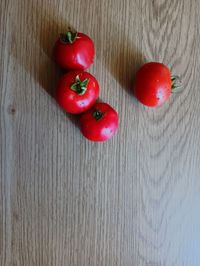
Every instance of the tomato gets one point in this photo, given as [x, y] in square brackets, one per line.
[100, 123]
[74, 51]
[153, 84]
[77, 91]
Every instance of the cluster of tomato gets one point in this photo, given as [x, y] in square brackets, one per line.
[77, 91]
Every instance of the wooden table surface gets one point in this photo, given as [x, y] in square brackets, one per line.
[132, 201]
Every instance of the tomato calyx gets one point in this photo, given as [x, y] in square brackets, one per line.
[79, 86]
[177, 84]
[68, 37]
[97, 114]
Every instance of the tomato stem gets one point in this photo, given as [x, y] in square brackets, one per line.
[177, 84]
[68, 37]
[79, 86]
[97, 114]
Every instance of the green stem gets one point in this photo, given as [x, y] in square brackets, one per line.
[79, 86]
[68, 37]
[177, 85]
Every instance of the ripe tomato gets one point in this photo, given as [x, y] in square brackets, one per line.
[153, 84]
[74, 51]
[99, 123]
[77, 91]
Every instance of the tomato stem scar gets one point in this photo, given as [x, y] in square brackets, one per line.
[97, 114]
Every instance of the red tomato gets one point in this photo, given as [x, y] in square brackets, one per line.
[74, 51]
[100, 123]
[153, 84]
[77, 91]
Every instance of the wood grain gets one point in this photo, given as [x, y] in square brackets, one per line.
[132, 201]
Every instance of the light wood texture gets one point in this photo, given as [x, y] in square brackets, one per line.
[132, 201]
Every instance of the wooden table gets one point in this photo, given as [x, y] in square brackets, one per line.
[132, 201]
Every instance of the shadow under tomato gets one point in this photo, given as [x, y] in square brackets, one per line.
[38, 60]
[123, 59]
[126, 63]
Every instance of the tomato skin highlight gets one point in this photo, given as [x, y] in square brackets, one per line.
[78, 55]
[70, 100]
[153, 84]
[99, 123]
